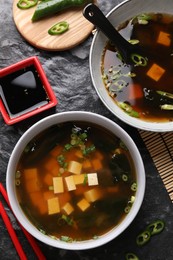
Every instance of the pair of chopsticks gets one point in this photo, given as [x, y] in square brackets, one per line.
[12, 233]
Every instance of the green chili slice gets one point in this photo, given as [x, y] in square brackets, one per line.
[59, 28]
[26, 4]
[156, 227]
[131, 256]
[139, 60]
[143, 238]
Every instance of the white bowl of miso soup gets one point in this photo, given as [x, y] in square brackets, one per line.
[140, 94]
[75, 180]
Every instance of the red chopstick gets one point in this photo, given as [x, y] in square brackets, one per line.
[12, 233]
[30, 239]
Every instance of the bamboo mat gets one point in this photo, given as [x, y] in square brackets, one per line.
[160, 147]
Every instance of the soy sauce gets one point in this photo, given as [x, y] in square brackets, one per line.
[22, 91]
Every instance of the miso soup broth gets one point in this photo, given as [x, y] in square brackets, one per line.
[75, 181]
[143, 90]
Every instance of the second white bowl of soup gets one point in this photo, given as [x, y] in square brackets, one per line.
[75, 180]
[140, 95]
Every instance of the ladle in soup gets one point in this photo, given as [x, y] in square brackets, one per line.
[131, 54]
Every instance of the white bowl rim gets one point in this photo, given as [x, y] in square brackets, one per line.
[132, 121]
[45, 123]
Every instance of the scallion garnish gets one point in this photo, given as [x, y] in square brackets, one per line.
[167, 107]
[139, 60]
[165, 94]
[88, 150]
[134, 186]
[66, 239]
[67, 219]
[128, 109]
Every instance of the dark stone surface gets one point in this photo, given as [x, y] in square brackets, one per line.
[68, 74]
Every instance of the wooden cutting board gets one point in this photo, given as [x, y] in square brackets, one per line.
[37, 33]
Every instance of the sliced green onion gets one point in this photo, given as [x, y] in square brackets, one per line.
[83, 136]
[124, 177]
[61, 160]
[85, 179]
[18, 174]
[139, 60]
[51, 188]
[42, 231]
[128, 109]
[17, 182]
[123, 146]
[127, 209]
[68, 147]
[133, 41]
[134, 186]
[142, 19]
[167, 107]
[67, 219]
[88, 150]
[165, 94]
[125, 107]
[66, 239]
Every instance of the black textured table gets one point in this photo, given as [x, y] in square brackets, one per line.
[69, 76]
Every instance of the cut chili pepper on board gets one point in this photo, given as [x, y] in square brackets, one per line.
[26, 4]
[59, 28]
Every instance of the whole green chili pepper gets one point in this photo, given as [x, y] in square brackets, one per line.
[50, 7]
[26, 4]
[58, 28]
[155, 227]
[143, 238]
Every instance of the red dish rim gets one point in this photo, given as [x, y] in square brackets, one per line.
[20, 65]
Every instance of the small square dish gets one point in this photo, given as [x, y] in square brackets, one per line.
[24, 91]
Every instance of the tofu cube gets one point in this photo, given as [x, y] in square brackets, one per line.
[93, 195]
[68, 208]
[58, 185]
[79, 179]
[83, 204]
[74, 167]
[164, 39]
[155, 72]
[53, 206]
[70, 183]
[92, 179]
